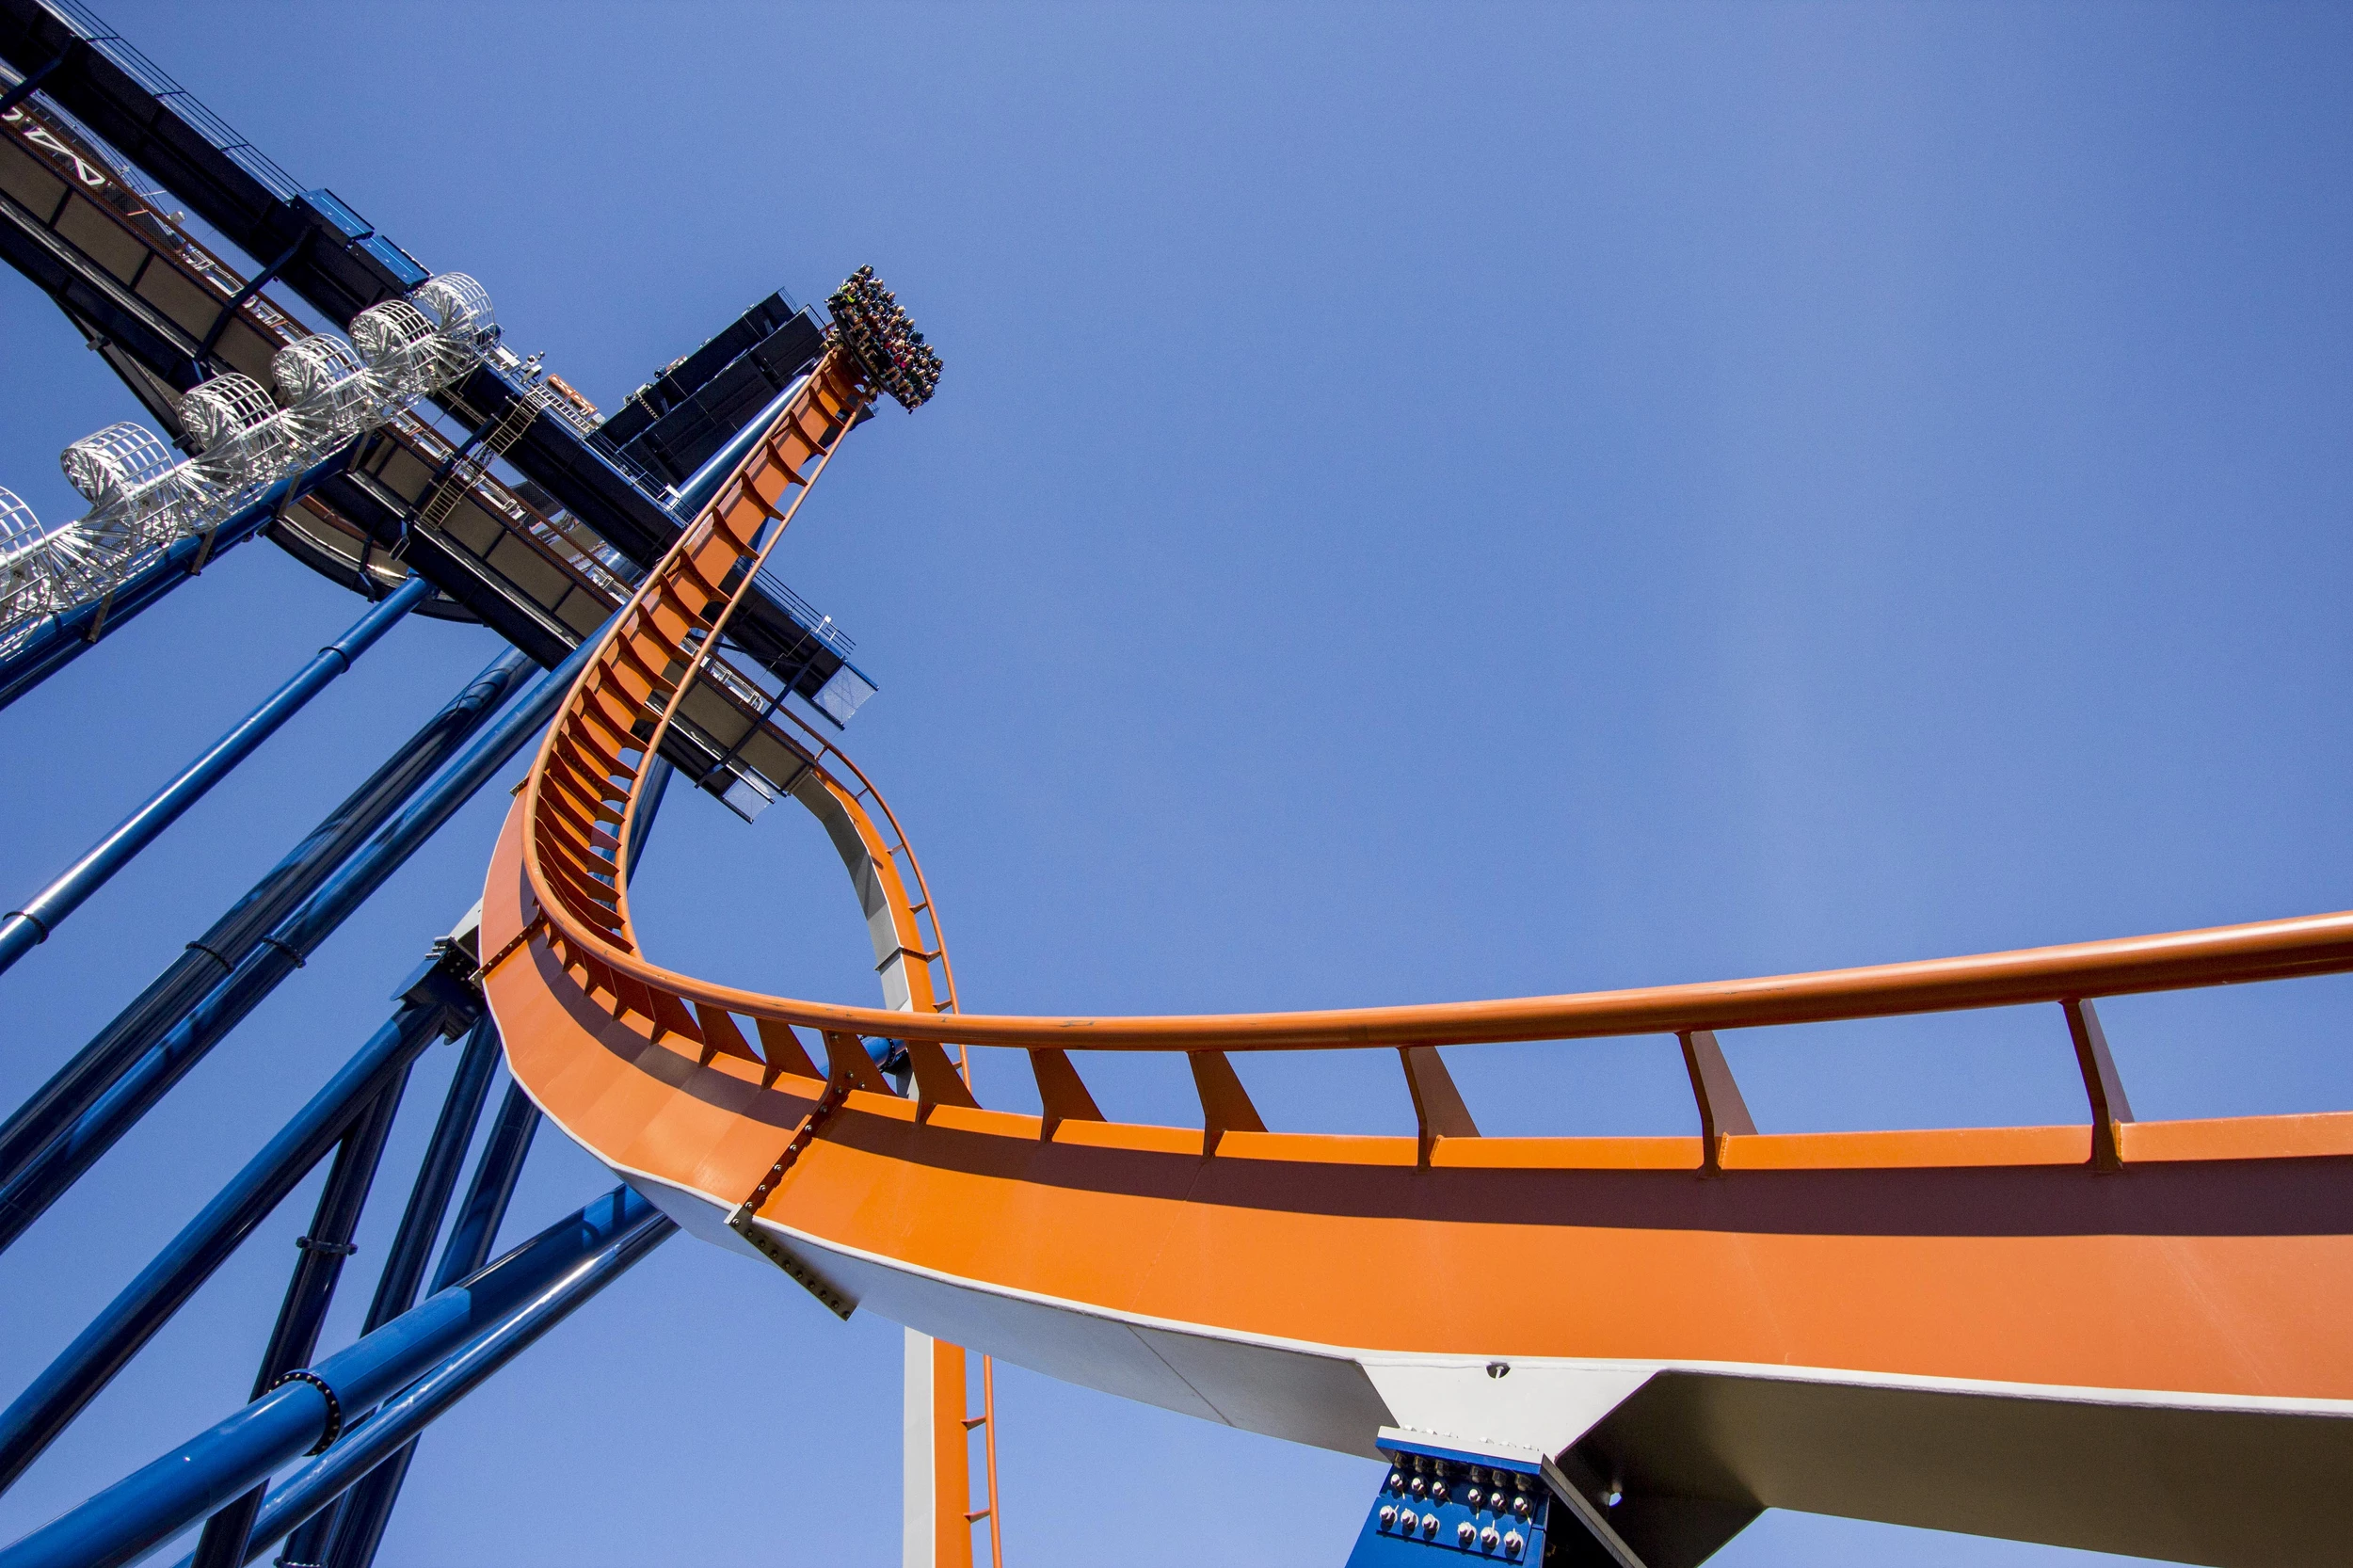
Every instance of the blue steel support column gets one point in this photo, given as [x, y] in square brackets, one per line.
[360, 1527]
[348, 1535]
[649, 794]
[311, 1292]
[436, 1178]
[393, 1428]
[39, 915]
[278, 956]
[486, 1319]
[494, 1177]
[60, 641]
[24, 89]
[411, 1249]
[435, 993]
[75, 1087]
[1489, 1505]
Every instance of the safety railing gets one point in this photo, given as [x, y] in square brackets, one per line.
[95, 169]
[584, 789]
[94, 31]
[807, 616]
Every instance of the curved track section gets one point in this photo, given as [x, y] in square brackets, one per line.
[2126, 1336]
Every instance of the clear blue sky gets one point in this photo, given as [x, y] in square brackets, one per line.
[1424, 503]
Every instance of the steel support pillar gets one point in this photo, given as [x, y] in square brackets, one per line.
[75, 1087]
[649, 795]
[31, 923]
[64, 638]
[24, 87]
[347, 1536]
[466, 1331]
[393, 1428]
[438, 1000]
[323, 1248]
[1447, 1498]
[1441, 1501]
[436, 1178]
[494, 1177]
[935, 1523]
[74, 1150]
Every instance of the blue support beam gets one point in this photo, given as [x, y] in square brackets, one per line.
[312, 1291]
[649, 794]
[168, 998]
[346, 1534]
[31, 923]
[60, 640]
[324, 1247]
[405, 1264]
[47, 1175]
[437, 1000]
[393, 1428]
[460, 1336]
[1444, 1505]
[352, 1533]
[494, 1177]
[24, 89]
[436, 1178]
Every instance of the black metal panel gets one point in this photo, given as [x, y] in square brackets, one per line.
[95, 302]
[683, 379]
[680, 441]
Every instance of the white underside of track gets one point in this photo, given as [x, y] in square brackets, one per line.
[2191, 1476]
[1328, 1395]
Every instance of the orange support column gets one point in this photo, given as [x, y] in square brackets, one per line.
[938, 1471]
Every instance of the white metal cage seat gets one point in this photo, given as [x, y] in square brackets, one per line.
[19, 530]
[115, 461]
[309, 368]
[329, 397]
[460, 308]
[140, 497]
[25, 575]
[223, 408]
[43, 571]
[245, 442]
[398, 343]
[463, 320]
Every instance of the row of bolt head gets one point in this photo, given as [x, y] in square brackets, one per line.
[1425, 1465]
[1406, 1522]
[1436, 1490]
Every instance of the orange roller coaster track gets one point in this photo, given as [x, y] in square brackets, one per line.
[2120, 1334]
